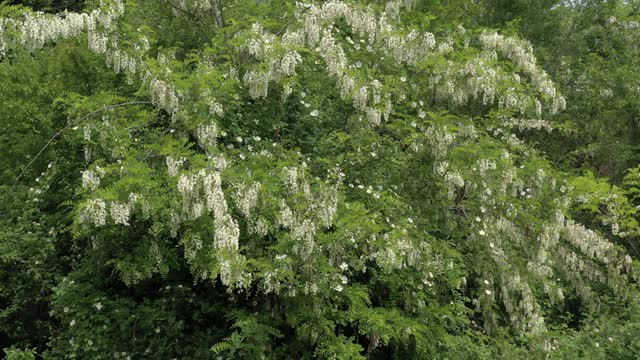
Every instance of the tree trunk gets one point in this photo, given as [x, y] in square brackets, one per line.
[216, 9]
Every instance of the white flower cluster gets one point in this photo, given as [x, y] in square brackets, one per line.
[90, 180]
[319, 212]
[392, 9]
[281, 60]
[439, 140]
[598, 260]
[120, 61]
[522, 307]
[518, 299]
[304, 231]
[215, 108]
[38, 29]
[480, 78]
[291, 181]
[259, 227]
[94, 213]
[578, 268]
[526, 124]
[318, 22]
[121, 212]
[257, 82]
[261, 45]
[317, 31]
[563, 250]
[335, 59]
[453, 182]
[575, 253]
[287, 65]
[501, 237]
[203, 192]
[207, 135]
[174, 165]
[485, 165]
[247, 198]
[3, 43]
[271, 282]
[521, 53]
[317, 34]
[588, 242]
[96, 40]
[164, 96]
[361, 98]
[397, 251]
[547, 240]
[376, 29]
[481, 81]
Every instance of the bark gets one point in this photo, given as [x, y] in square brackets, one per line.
[216, 10]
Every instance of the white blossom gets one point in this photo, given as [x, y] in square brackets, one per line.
[90, 180]
[207, 135]
[94, 212]
[174, 165]
[258, 83]
[120, 212]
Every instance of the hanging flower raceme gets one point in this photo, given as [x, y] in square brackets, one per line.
[37, 29]
[202, 194]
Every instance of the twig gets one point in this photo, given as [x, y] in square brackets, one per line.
[67, 128]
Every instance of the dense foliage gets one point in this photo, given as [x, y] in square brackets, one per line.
[397, 179]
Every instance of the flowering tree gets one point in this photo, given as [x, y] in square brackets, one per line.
[276, 179]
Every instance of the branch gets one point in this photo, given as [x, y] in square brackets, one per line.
[217, 13]
[67, 128]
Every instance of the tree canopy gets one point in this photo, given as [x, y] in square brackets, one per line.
[253, 179]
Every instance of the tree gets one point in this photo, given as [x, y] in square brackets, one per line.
[295, 180]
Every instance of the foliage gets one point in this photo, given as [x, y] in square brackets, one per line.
[361, 179]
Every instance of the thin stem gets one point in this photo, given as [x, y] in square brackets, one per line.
[68, 126]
